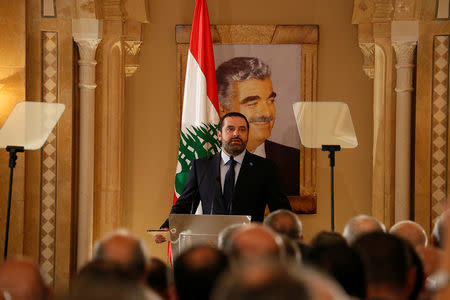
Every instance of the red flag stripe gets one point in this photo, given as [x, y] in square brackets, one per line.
[200, 45]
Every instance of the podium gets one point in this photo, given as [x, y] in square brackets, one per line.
[187, 230]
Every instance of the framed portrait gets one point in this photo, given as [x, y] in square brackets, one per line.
[284, 60]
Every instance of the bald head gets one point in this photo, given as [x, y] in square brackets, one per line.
[123, 248]
[256, 241]
[21, 279]
[411, 232]
[285, 222]
[360, 225]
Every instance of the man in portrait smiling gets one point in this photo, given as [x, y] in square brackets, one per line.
[244, 85]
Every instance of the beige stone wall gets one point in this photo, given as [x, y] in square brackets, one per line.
[12, 91]
[151, 107]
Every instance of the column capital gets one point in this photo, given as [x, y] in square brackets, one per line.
[87, 33]
[404, 51]
[368, 50]
[132, 49]
[87, 49]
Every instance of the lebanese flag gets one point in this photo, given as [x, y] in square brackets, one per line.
[200, 115]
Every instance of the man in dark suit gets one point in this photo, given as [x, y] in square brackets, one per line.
[256, 181]
[244, 85]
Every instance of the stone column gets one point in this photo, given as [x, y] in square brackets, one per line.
[87, 35]
[404, 87]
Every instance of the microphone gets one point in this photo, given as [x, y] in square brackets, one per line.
[217, 181]
[197, 191]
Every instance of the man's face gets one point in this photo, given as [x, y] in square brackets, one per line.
[234, 135]
[255, 99]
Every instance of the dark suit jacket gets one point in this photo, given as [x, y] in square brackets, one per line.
[287, 159]
[258, 184]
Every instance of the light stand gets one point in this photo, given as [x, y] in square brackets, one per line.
[27, 128]
[332, 149]
[12, 163]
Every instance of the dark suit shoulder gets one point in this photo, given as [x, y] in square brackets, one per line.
[272, 148]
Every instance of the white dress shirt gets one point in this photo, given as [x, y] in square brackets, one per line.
[224, 166]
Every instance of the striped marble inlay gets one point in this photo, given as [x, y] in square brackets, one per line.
[48, 159]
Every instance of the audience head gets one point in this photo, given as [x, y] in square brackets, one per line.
[20, 278]
[196, 271]
[124, 248]
[411, 232]
[225, 235]
[292, 250]
[108, 280]
[343, 264]
[431, 258]
[158, 275]
[419, 272]
[285, 222]
[437, 236]
[388, 264]
[255, 241]
[360, 225]
[261, 281]
[328, 238]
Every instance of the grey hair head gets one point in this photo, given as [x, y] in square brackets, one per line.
[439, 230]
[136, 263]
[360, 225]
[294, 232]
[238, 69]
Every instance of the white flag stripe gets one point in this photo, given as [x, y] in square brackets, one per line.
[197, 107]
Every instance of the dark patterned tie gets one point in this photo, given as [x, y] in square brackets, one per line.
[228, 185]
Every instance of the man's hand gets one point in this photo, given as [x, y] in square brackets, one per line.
[159, 238]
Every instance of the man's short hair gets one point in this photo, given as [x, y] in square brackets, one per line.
[196, 271]
[342, 263]
[107, 280]
[386, 258]
[328, 238]
[238, 69]
[361, 224]
[293, 230]
[229, 115]
[136, 264]
[224, 238]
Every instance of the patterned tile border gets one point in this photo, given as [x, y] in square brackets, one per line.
[48, 159]
[439, 127]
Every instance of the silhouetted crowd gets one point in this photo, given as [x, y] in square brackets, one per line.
[260, 261]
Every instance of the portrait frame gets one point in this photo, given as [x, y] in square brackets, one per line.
[305, 35]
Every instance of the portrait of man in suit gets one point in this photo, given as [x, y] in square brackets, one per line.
[244, 85]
